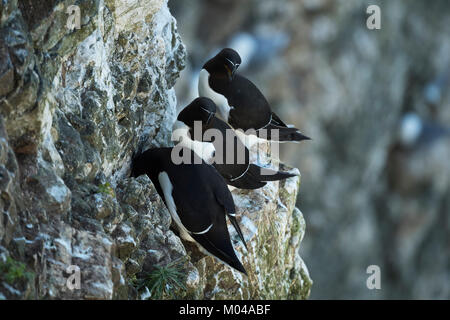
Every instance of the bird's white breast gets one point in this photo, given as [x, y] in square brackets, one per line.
[204, 90]
[205, 150]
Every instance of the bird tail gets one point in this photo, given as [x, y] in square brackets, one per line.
[294, 135]
[246, 183]
[287, 135]
[237, 228]
[223, 251]
[266, 174]
[277, 121]
[246, 180]
[256, 177]
[277, 133]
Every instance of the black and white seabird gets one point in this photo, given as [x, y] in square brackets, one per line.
[239, 101]
[197, 198]
[231, 157]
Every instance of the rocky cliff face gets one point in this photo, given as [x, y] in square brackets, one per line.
[75, 105]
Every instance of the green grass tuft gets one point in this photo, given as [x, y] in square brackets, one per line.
[106, 188]
[12, 271]
[164, 281]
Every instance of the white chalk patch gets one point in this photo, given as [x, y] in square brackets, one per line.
[58, 192]
[410, 128]
[249, 225]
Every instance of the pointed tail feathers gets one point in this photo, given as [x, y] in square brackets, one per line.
[292, 136]
[256, 177]
[281, 134]
[246, 182]
[222, 250]
[287, 135]
[242, 180]
[266, 174]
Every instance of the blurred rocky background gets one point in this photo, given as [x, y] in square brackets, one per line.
[376, 176]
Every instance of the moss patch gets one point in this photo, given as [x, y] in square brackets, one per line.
[106, 188]
[12, 272]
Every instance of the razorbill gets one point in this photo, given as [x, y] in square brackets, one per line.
[240, 102]
[197, 198]
[231, 157]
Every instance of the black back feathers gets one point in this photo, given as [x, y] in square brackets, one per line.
[197, 198]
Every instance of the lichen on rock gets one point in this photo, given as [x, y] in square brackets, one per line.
[75, 106]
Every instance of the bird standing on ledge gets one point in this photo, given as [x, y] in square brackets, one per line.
[198, 200]
[239, 101]
[231, 157]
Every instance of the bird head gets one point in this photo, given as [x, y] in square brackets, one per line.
[150, 162]
[200, 109]
[224, 64]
